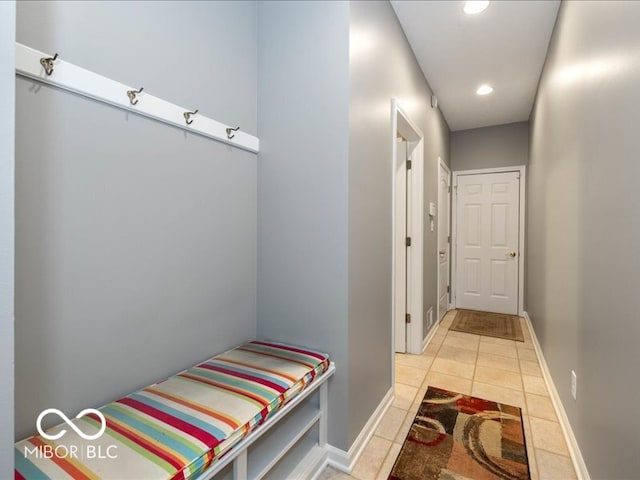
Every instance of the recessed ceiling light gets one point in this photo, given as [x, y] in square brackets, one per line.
[484, 90]
[475, 6]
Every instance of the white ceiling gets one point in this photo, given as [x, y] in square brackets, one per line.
[504, 46]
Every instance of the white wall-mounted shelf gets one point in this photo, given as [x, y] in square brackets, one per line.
[76, 79]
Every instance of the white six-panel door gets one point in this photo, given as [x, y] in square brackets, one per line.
[487, 272]
[400, 232]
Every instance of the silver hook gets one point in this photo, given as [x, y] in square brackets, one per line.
[47, 63]
[229, 130]
[132, 94]
[187, 116]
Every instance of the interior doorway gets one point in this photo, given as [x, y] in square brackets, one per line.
[408, 232]
[488, 209]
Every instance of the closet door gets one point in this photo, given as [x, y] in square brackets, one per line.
[487, 241]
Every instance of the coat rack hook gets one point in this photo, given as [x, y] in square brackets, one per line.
[47, 63]
[231, 135]
[132, 94]
[188, 115]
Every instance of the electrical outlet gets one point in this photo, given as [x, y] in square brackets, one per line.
[574, 384]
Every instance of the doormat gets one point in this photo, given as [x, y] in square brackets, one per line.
[456, 436]
[488, 324]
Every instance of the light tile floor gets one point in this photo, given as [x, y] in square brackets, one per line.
[495, 369]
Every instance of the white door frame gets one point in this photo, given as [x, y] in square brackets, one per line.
[448, 170]
[521, 234]
[402, 124]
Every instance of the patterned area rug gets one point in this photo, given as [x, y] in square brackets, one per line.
[456, 437]
[488, 324]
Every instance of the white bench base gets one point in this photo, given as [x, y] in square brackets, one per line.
[291, 444]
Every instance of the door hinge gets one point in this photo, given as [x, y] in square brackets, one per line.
[408, 241]
[449, 189]
[449, 239]
[407, 318]
[448, 288]
[409, 164]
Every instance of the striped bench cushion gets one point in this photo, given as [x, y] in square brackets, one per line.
[176, 428]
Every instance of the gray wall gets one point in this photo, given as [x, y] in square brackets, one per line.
[7, 112]
[490, 147]
[584, 227]
[324, 189]
[302, 184]
[136, 242]
[381, 68]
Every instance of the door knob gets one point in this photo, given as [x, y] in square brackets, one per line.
[512, 254]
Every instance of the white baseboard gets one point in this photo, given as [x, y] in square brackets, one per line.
[574, 450]
[432, 332]
[345, 461]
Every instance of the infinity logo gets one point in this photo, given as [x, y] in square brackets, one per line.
[86, 411]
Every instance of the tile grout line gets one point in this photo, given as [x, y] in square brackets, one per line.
[557, 420]
[444, 334]
[475, 368]
[409, 411]
[425, 384]
[530, 458]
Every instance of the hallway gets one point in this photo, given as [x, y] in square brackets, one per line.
[495, 369]
[276, 213]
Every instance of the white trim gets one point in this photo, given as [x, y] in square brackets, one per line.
[430, 335]
[574, 450]
[345, 461]
[323, 403]
[240, 467]
[522, 169]
[89, 84]
[454, 241]
[416, 306]
[482, 171]
[400, 122]
[394, 153]
[523, 235]
[448, 170]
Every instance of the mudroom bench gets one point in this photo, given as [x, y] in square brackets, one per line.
[257, 411]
